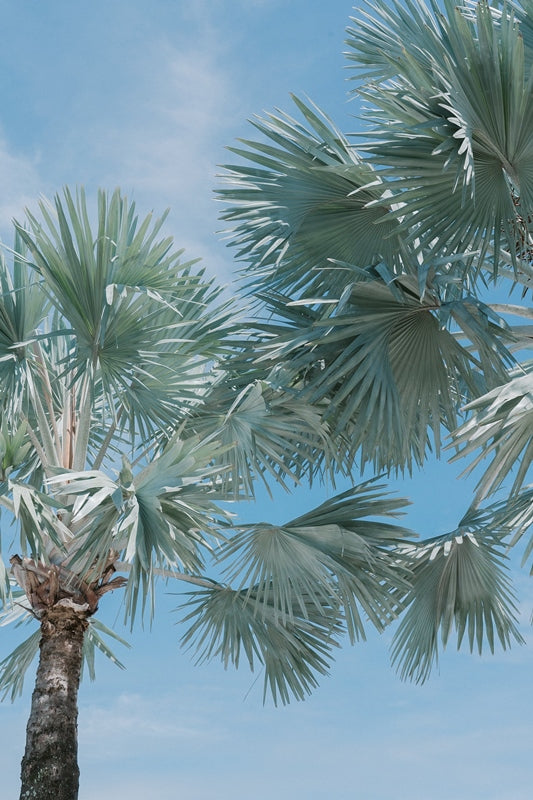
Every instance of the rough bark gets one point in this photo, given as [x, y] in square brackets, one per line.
[50, 764]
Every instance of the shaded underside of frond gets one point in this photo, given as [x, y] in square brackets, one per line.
[266, 432]
[460, 583]
[225, 625]
[298, 586]
[307, 202]
[383, 368]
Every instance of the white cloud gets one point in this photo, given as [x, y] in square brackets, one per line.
[165, 149]
[135, 721]
[20, 182]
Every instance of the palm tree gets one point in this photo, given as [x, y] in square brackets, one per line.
[383, 271]
[133, 412]
[137, 402]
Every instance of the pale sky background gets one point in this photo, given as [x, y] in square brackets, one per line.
[145, 94]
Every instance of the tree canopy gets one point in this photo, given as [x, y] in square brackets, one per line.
[382, 264]
[138, 402]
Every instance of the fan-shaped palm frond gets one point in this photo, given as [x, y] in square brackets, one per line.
[145, 327]
[80, 266]
[459, 581]
[160, 359]
[175, 496]
[299, 585]
[389, 344]
[456, 143]
[336, 550]
[500, 425]
[308, 203]
[223, 624]
[383, 365]
[265, 433]
[165, 516]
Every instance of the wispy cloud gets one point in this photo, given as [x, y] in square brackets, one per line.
[164, 144]
[133, 721]
[157, 127]
[20, 182]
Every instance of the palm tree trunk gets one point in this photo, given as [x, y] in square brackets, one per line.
[50, 764]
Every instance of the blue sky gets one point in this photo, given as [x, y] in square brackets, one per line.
[146, 95]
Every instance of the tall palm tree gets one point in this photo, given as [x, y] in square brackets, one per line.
[132, 406]
[383, 269]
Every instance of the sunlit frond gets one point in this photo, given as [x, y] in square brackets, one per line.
[176, 498]
[146, 326]
[453, 136]
[164, 515]
[500, 426]
[41, 527]
[304, 204]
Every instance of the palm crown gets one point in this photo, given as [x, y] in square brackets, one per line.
[133, 407]
[377, 267]
[105, 341]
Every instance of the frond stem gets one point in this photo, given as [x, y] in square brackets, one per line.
[36, 443]
[107, 441]
[197, 580]
[81, 435]
[47, 392]
[48, 450]
[6, 503]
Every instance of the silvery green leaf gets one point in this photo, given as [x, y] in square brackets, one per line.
[461, 584]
